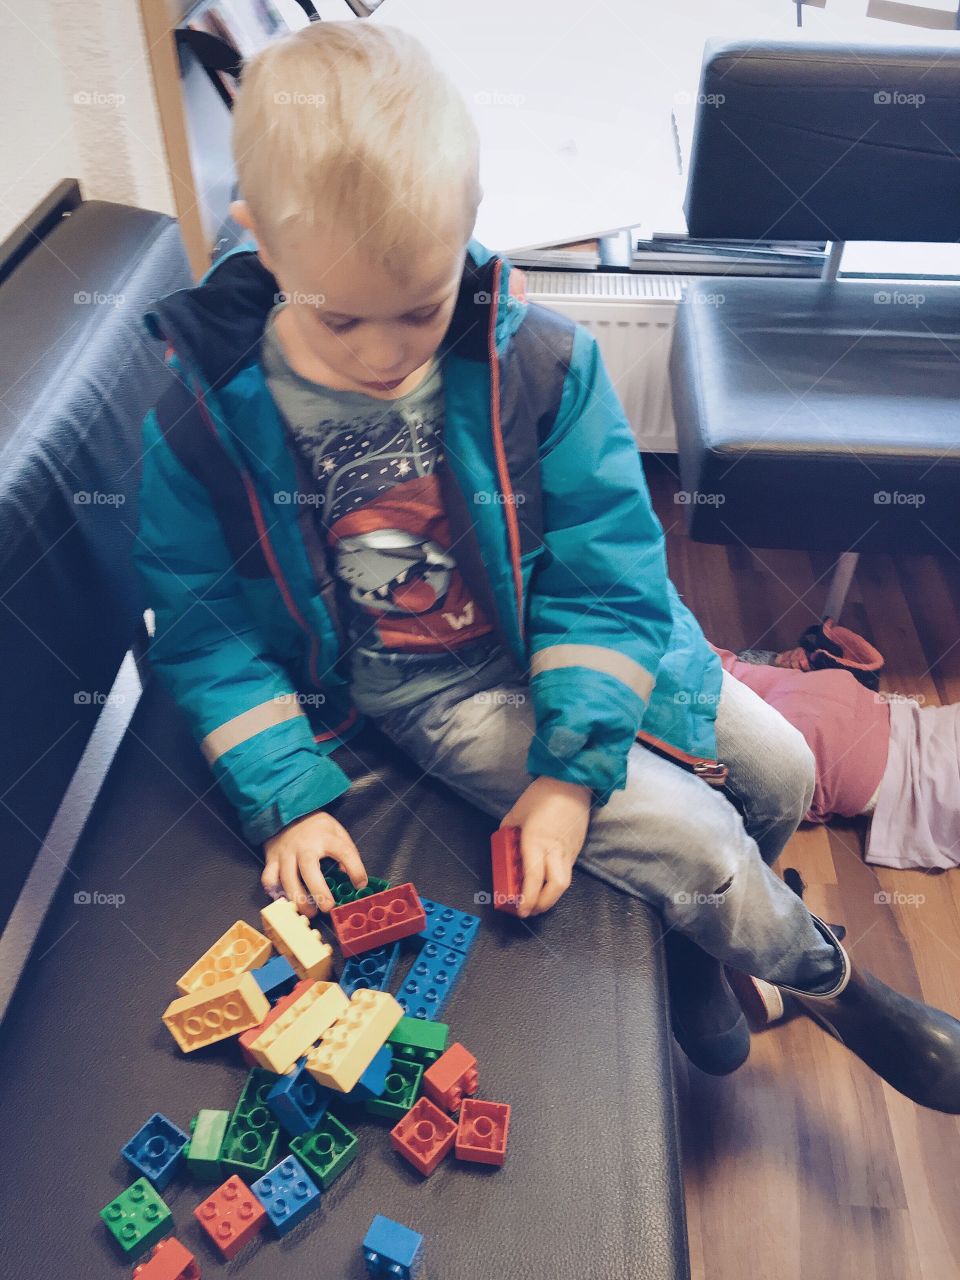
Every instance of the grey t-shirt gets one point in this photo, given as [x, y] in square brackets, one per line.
[413, 626]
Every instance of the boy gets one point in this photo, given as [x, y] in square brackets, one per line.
[385, 486]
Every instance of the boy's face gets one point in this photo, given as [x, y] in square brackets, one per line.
[355, 320]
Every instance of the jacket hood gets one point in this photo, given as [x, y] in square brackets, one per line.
[216, 327]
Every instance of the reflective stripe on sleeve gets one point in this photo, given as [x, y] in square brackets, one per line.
[240, 728]
[597, 658]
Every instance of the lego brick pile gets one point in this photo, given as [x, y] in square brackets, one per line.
[311, 1042]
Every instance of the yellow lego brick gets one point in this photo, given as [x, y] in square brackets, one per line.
[291, 934]
[350, 1045]
[238, 951]
[203, 1017]
[289, 1037]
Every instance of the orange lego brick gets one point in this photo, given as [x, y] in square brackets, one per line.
[169, 1261]
[507, 864]
[348, 1047]
[204, 1017]
[451, 1078]
[237, 951]
[424, 1136]
[231, 1216]
[482, 1132]
[291, 934]
[380, 919]
[299, 1026]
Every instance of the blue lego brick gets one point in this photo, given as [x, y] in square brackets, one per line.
[430, 981]
[374, 1080]
[276, 978]
[156, 1149]
[448, 927]
[298, 1102]
[372, 970]
[288, 1194]
[392, 1251]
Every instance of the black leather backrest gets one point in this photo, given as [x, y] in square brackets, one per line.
[823, 142]
[77, 374]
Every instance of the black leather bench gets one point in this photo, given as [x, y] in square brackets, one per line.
[567, 1016]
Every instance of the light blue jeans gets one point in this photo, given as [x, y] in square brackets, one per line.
[667, 837]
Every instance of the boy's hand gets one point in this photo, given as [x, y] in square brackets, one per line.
[553, 817]
[293, 858]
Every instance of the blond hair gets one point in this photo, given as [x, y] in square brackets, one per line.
[352, 125]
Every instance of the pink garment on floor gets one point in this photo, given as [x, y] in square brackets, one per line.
[845, 725]
[917, 819]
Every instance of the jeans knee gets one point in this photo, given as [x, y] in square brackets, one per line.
[799, 778]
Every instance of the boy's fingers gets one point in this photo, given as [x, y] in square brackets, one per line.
[557, 882]
[293, 886]
[313, 878]
[341, 847]
[271, 878]
[532, 875]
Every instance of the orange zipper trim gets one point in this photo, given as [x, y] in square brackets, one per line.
[712, 771]
[510, 508]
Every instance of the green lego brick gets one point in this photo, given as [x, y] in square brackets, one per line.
[401, 1092]
[253, 1133]
[420, 1033]
[328, 1150]
[341, 886]
[137, 1219]
[207, 1129]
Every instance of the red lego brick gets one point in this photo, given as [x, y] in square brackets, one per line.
[424, 1136]
[482, 1132]
[231, 1216]
[378, 920]
[451, 1078]
[507, 869]
[170, 1260]
[248, 1037]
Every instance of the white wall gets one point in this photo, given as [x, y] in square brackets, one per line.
[76, 101]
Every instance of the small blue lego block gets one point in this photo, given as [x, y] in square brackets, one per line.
[430, 981]
[288, 1194]
[374, 1080]
[276, 978]
[448, 927]
[392, 1250]
[298, 1102]
[372, 970]
[156, 1149]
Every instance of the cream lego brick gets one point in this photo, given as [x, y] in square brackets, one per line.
[299, 1027]
[350, 1045]
[203, 1017]
[239, 950]
[291, 934]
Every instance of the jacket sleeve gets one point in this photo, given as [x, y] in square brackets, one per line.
[240, 702]
[600, 617]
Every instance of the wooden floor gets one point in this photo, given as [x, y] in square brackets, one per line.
[803, 1164]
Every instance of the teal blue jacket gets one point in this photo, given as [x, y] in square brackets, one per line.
[547, 504]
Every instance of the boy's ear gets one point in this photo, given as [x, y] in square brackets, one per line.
[240, 212]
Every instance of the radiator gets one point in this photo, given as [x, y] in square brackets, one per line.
[631, 316]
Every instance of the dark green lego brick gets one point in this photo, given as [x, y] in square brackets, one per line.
[253, 1134]
[137, 1219]
[328, 1150]
[402, 1089]
[341, 886]
[207, 1131]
